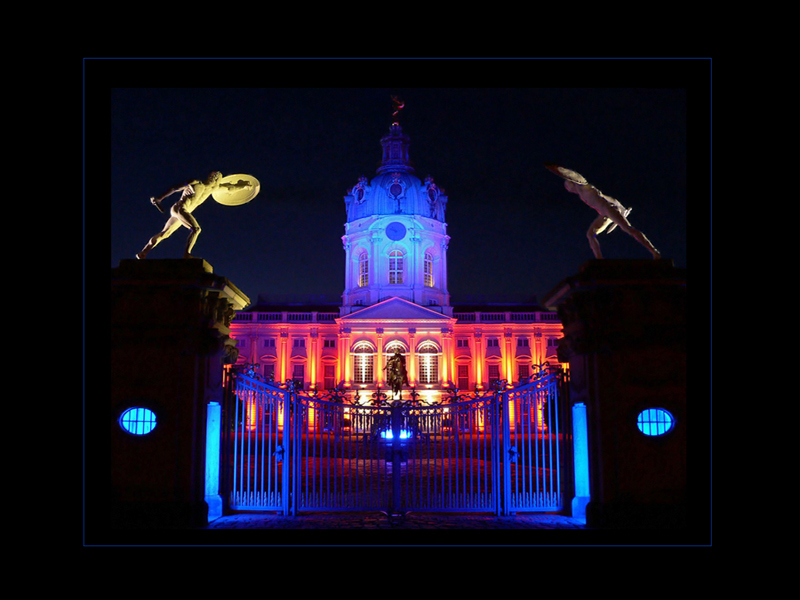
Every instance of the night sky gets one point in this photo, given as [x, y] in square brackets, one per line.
[515, 231]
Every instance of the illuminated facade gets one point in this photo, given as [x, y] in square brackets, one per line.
[396, 299]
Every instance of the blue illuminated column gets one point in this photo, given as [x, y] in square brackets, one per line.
[581, 458]
[213, 499]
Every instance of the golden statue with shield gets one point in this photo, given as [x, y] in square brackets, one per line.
[233, 190]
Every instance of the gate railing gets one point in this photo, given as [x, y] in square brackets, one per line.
[336, 460]
[538, 446]
[502, 451]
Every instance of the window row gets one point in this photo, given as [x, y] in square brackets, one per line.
[364, 368]
[462, 375]
[298, 374]
[296, 343]
[396, 274]
[493, 342]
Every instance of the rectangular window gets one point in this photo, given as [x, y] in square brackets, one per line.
[428, 270]
[523, 342]
[463, 377]
[429, 368]
[462, 343]
[269, 343]
[494, 373]
[363, 368]
[299, 342]
[269, 371]
[492, 342]
[524, 372]
[298, 376]
[363, 270]
[395, 267]
[329, 378]
[329, 344]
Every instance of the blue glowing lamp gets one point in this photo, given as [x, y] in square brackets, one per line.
[388, 435]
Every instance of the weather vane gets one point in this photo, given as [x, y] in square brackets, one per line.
[398, 106]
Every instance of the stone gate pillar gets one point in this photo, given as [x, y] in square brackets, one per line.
[169, 341]
[625, 341]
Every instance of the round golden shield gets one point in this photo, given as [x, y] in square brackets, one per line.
[567, 174]
[237, 196]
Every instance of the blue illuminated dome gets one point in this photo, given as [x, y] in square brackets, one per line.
[395, 189]
[655, 421]
[138, 421]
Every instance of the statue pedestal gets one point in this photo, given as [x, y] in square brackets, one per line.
[625, 341]
[169, 325]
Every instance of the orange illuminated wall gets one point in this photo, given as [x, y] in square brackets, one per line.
[251, 410]
[311, 416]
[279, 361]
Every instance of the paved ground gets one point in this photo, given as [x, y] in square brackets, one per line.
[354, 521]
[377, 529]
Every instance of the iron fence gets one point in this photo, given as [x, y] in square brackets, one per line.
[501, 451]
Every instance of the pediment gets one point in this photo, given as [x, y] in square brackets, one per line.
[396, 310]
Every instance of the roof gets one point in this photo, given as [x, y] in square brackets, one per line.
[395, 309]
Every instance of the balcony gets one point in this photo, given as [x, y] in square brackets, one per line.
[286, 317]
[506, 317]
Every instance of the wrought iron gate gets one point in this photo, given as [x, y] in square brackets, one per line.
[501, 452]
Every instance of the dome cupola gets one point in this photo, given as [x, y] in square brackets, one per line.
[395, 151]
[395, 238]
[395, 189]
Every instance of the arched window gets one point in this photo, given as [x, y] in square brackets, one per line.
[394, 345]
[363, 363]
[395, 266]
[363, 270]
[428, 363]
[428, 267]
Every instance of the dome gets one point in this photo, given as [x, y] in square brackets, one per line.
[395, 189]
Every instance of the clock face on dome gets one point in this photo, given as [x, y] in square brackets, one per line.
[396, 231]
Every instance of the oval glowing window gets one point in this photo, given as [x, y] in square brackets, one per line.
[655, 421]
[138, 421]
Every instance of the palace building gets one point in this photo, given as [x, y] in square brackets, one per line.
[395, 298]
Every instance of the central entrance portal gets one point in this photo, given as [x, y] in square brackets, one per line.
[500, 452]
